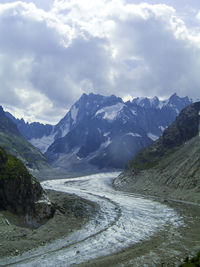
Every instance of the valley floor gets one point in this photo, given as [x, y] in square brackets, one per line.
[166, 248]
[124, 229]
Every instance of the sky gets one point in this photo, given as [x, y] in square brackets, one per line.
[51, 52]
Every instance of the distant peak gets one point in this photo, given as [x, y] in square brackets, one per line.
[173, 96]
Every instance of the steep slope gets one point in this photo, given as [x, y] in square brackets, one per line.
[170, 167]
[34, 131]
[21, 193]
[14, 143]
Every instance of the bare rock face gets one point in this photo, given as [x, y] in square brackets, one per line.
[43, 210]
[21, 193]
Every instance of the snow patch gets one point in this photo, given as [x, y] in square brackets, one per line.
[134, 134]
[74, 112]
[134, 112]
[177, 111]
[106, 134]
[152, 136]
[107, 143]
[162, 128]
[161, 104]
[43, 143]
[111, 112]
[65, 128]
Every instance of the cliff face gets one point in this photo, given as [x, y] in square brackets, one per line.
[21, 193]
[170, 167]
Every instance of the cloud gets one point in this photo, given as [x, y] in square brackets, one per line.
[52, 53]
[168, 56]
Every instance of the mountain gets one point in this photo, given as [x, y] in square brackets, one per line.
[170, 166]
[33, 131]
[14, 143]
[102, 132]
[21, 193]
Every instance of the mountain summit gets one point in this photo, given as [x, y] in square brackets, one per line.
[103, 132]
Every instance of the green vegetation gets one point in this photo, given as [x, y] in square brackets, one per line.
[193, 262]
[12, 167]
[20, 148]
[14, 143]
[18, 188]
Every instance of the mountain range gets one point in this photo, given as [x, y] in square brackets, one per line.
[102, 132]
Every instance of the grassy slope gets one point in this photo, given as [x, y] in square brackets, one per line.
[14, 143]
[20, 148]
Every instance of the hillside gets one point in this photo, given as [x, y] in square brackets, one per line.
[14, 143]
[170, 167]
[21, 193]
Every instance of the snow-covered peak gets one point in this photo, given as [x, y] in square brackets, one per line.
[174, 102]
[110, 112]
[154, 101]
[146, 102]
[140, 101]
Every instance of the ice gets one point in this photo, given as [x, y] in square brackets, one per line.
[152, 136]
[134, 134]
[74, 113]
[111, 112]
[162, 128]
[124, 219]
[43, 143]
[134, 112]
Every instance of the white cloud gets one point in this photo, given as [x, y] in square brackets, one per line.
[54, 52]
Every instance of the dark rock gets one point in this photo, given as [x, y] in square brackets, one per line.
[21, 193]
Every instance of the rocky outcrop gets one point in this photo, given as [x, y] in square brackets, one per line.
[21, 193]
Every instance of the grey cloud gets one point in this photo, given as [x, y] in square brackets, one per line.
[62, 75]
[43, 4]
[169, 64]
[58, 72]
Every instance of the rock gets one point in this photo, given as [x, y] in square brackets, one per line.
[21, 193]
